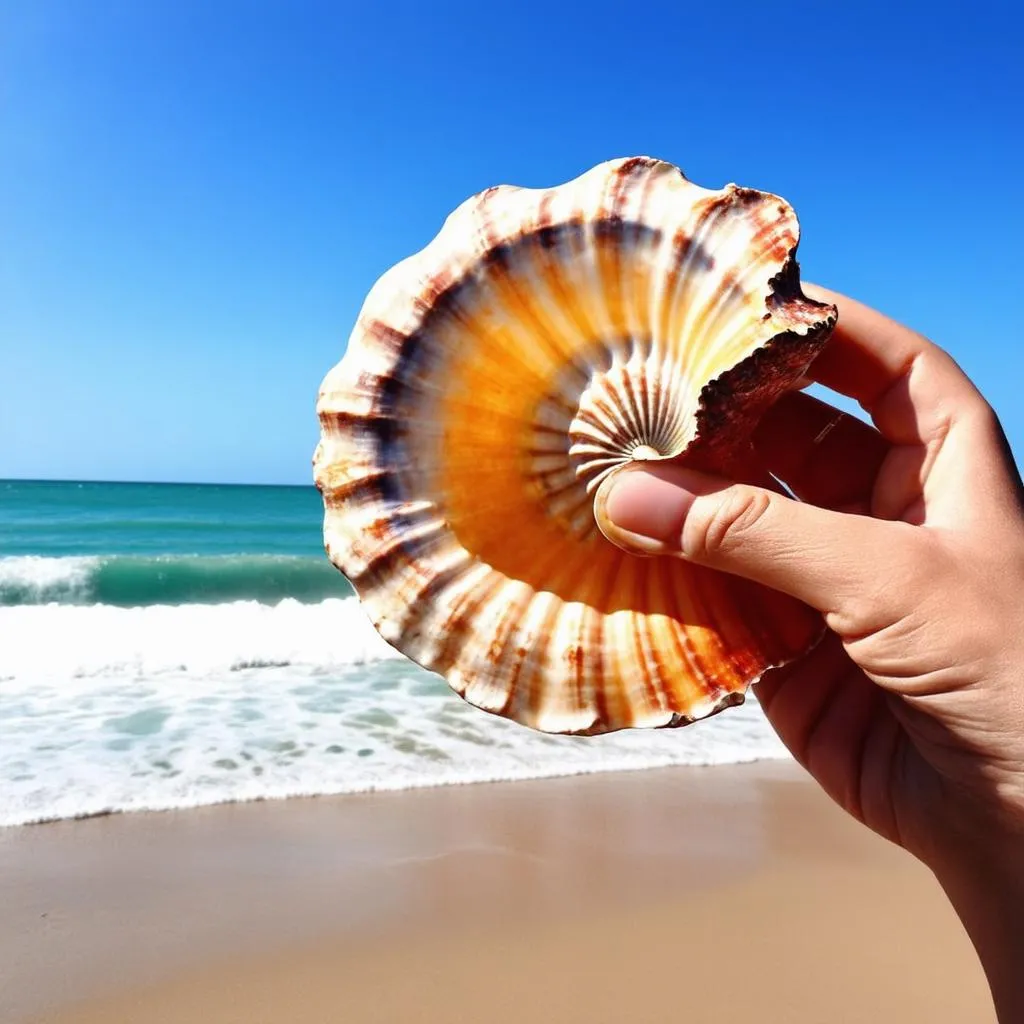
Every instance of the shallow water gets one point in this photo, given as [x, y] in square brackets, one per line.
[225, 661]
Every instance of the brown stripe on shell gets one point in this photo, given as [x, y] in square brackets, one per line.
[456, 626]
[733, 633]
[419, 604]
[596, 624]
[606, 605]
[545, 216]
[635, 393]
[651, 686]
[690, 252]
[380, 485]
[381, 428]
[625, 178]
[728, 285]
[388, 559]
[691, 255]
[575, 660]
[706, 675]
[435, 286]
[487, 224]
[542, 428]
[774, 220]
[384, 336]
[663, 667]
[664, 569]
[506, 659]
[654, 168]
[536, 655]
[610, 431]
[647, 668]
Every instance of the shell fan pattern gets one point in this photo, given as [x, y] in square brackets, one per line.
[545, 339]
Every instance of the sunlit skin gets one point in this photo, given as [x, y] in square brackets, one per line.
[909, 538]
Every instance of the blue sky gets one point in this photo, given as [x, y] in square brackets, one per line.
[196, 196]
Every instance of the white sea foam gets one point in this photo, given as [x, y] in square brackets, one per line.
[162, 707]
[44, 641]
[35, 578]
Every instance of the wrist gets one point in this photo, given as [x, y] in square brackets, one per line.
[986, 889]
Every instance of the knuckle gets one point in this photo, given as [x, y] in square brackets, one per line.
[988, 425]
[724, 528]
[917, 579]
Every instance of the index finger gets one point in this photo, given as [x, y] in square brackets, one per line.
[911, 388]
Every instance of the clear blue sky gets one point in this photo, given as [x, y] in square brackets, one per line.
[195, 195]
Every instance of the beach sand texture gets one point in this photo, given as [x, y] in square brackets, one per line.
[735, 893]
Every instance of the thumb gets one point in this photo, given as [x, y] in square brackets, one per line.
[824, 558]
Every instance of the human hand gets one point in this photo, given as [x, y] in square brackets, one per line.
[909, 538]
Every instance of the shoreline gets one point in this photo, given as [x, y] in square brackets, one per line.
[721, 893]
[372, 789]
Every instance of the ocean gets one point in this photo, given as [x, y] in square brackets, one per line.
[173, 645]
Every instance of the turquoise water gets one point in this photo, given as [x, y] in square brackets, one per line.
[142, 544]
[56, 518]
[165, 646]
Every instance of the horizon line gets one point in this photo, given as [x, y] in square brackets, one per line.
[152, 483]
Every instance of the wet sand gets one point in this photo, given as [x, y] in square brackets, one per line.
[723, 894]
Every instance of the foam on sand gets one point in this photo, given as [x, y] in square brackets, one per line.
[174, 706]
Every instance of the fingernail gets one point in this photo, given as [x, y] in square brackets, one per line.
[642, 511]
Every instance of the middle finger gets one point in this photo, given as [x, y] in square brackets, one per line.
[824, 456]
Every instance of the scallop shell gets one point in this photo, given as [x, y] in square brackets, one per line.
[544, 339]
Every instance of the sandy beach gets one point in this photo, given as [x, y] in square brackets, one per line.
[723, 894]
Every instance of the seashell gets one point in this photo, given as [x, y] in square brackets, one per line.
[545, 339]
